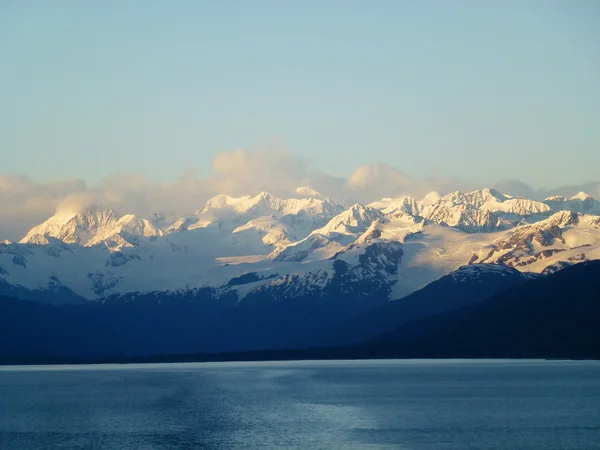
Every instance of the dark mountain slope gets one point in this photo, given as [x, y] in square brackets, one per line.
[557, 316]
[463, 287]
[157, 324]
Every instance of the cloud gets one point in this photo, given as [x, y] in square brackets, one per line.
[25, 203]
[239, 172]
[75, 203]
[376, 181]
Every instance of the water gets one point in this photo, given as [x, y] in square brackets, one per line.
[346, 404]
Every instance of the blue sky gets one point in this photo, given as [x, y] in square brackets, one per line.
[477, 90]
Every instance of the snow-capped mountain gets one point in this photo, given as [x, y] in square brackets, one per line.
[564, 237]
[256, 246]
[223, 207]
[582, 203]
[352, 222]
[485, 210]
[403, 204]
[277, 221]
[93, 226]
[463, 216]
[73, 227]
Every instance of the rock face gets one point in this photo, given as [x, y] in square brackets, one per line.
[309, 245]
[463, 216]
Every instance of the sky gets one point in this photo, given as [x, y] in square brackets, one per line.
[478, 92]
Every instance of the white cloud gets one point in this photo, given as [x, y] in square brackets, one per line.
[75, 203]
[240, 171]
[24, 203]
[376, 181]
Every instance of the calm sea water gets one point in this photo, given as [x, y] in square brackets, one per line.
[358, 404]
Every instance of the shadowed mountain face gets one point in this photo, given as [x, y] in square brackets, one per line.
[555, 316]
[188, 322]
[466, 286]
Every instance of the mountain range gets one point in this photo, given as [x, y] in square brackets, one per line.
[258, 272]
[293, 245]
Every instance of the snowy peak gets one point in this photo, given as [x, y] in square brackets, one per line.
[483, 197]
[463, 216]
[124, 232]
[484, 210]
[355, 219]
[521, 207]
[530, 244]
[181, 224]
[560, 219]
[325, 242]
[582, 203]
[474, 198]
[493, 201]
[265, 204]
[226, 203]
[325, 208]
[581, 196]
[264, 218]
[73, 228]
[223, 206]
[95, 218]
[301, 250]
[91, 227]
[405, 204]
